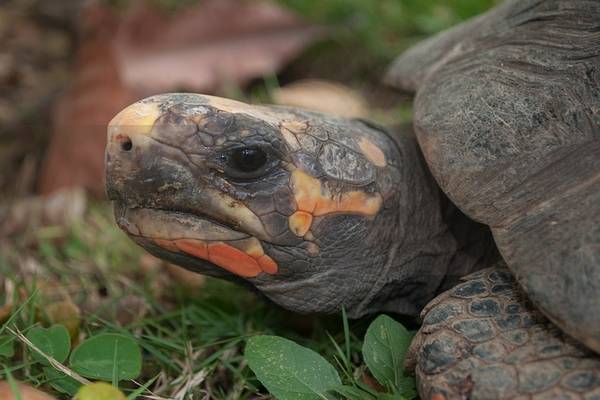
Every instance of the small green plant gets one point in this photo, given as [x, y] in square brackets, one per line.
[107, 357]
[293, 372]
[7, 346]
[54, 342]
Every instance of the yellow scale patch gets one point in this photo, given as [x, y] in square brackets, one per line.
[313, 200]
[372, 152]
[137, 119]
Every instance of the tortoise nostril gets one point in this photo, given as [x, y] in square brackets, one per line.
[125, 141]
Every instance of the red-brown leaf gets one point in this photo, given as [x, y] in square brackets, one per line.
[123, 58]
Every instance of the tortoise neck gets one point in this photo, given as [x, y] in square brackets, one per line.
[475, 246]
[472, 247]
[436, 244]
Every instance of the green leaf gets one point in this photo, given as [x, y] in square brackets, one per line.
[54, 341]
[384, 348]
[408, 388]
[353, 393]
[109, 356]
[7, 346]
[61, 382]
[290, 371]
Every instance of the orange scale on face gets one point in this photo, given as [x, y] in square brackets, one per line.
[268, 265]
[250, 246]
[300, 222]
[247, 261]
[196, 248]
[233, 260]
[313, 200]
[167, 244]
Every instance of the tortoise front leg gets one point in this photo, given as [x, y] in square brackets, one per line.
[484, 340]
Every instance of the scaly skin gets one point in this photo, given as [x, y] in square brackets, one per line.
[337, 213]
[507, 114]
[484, 340]
[340, 214]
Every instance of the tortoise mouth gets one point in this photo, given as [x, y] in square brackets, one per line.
[196, 237]
[153, 223]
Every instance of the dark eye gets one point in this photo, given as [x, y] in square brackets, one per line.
[248, 159]
[247, 162]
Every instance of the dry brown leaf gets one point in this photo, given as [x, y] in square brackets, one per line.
[185, 278]
[212, 44]
[324, 96]
[154, 268]
[50, 289]
[131, 308]
[76, 153]
[64, 207]
[371, 382]
[34, 63]
[65, 313]
[150, 264]
[165, 275]
[27, 392]
[5, 312]
[60, 209]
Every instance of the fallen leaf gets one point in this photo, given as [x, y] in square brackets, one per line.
[131, 308]
[208, 45]
[201, 48]
[64, 207]
[34, 67]
[150, 264]
[323, 96]
[5, 312]
[75, 156]
[27, 392]
[185, 278]
[99, 391]
[371, 382]
[154, 271]
[60, 208]
[65, 313]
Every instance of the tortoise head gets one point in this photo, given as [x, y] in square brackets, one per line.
[314, 211]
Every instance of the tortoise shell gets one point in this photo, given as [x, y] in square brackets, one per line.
[507, 114]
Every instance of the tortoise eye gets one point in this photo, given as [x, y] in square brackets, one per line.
[248, 159]
[247, 162]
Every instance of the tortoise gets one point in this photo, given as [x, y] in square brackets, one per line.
[484, 219]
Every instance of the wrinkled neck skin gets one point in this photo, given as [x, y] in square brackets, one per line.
[434, 243]
[334, 212]
[418, 245]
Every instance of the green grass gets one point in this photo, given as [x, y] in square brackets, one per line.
[383, 28]
[196, 336]
[185, 334]
[366, 35]
[363, 36]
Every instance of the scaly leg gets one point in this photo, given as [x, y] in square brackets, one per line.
[483, 340]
